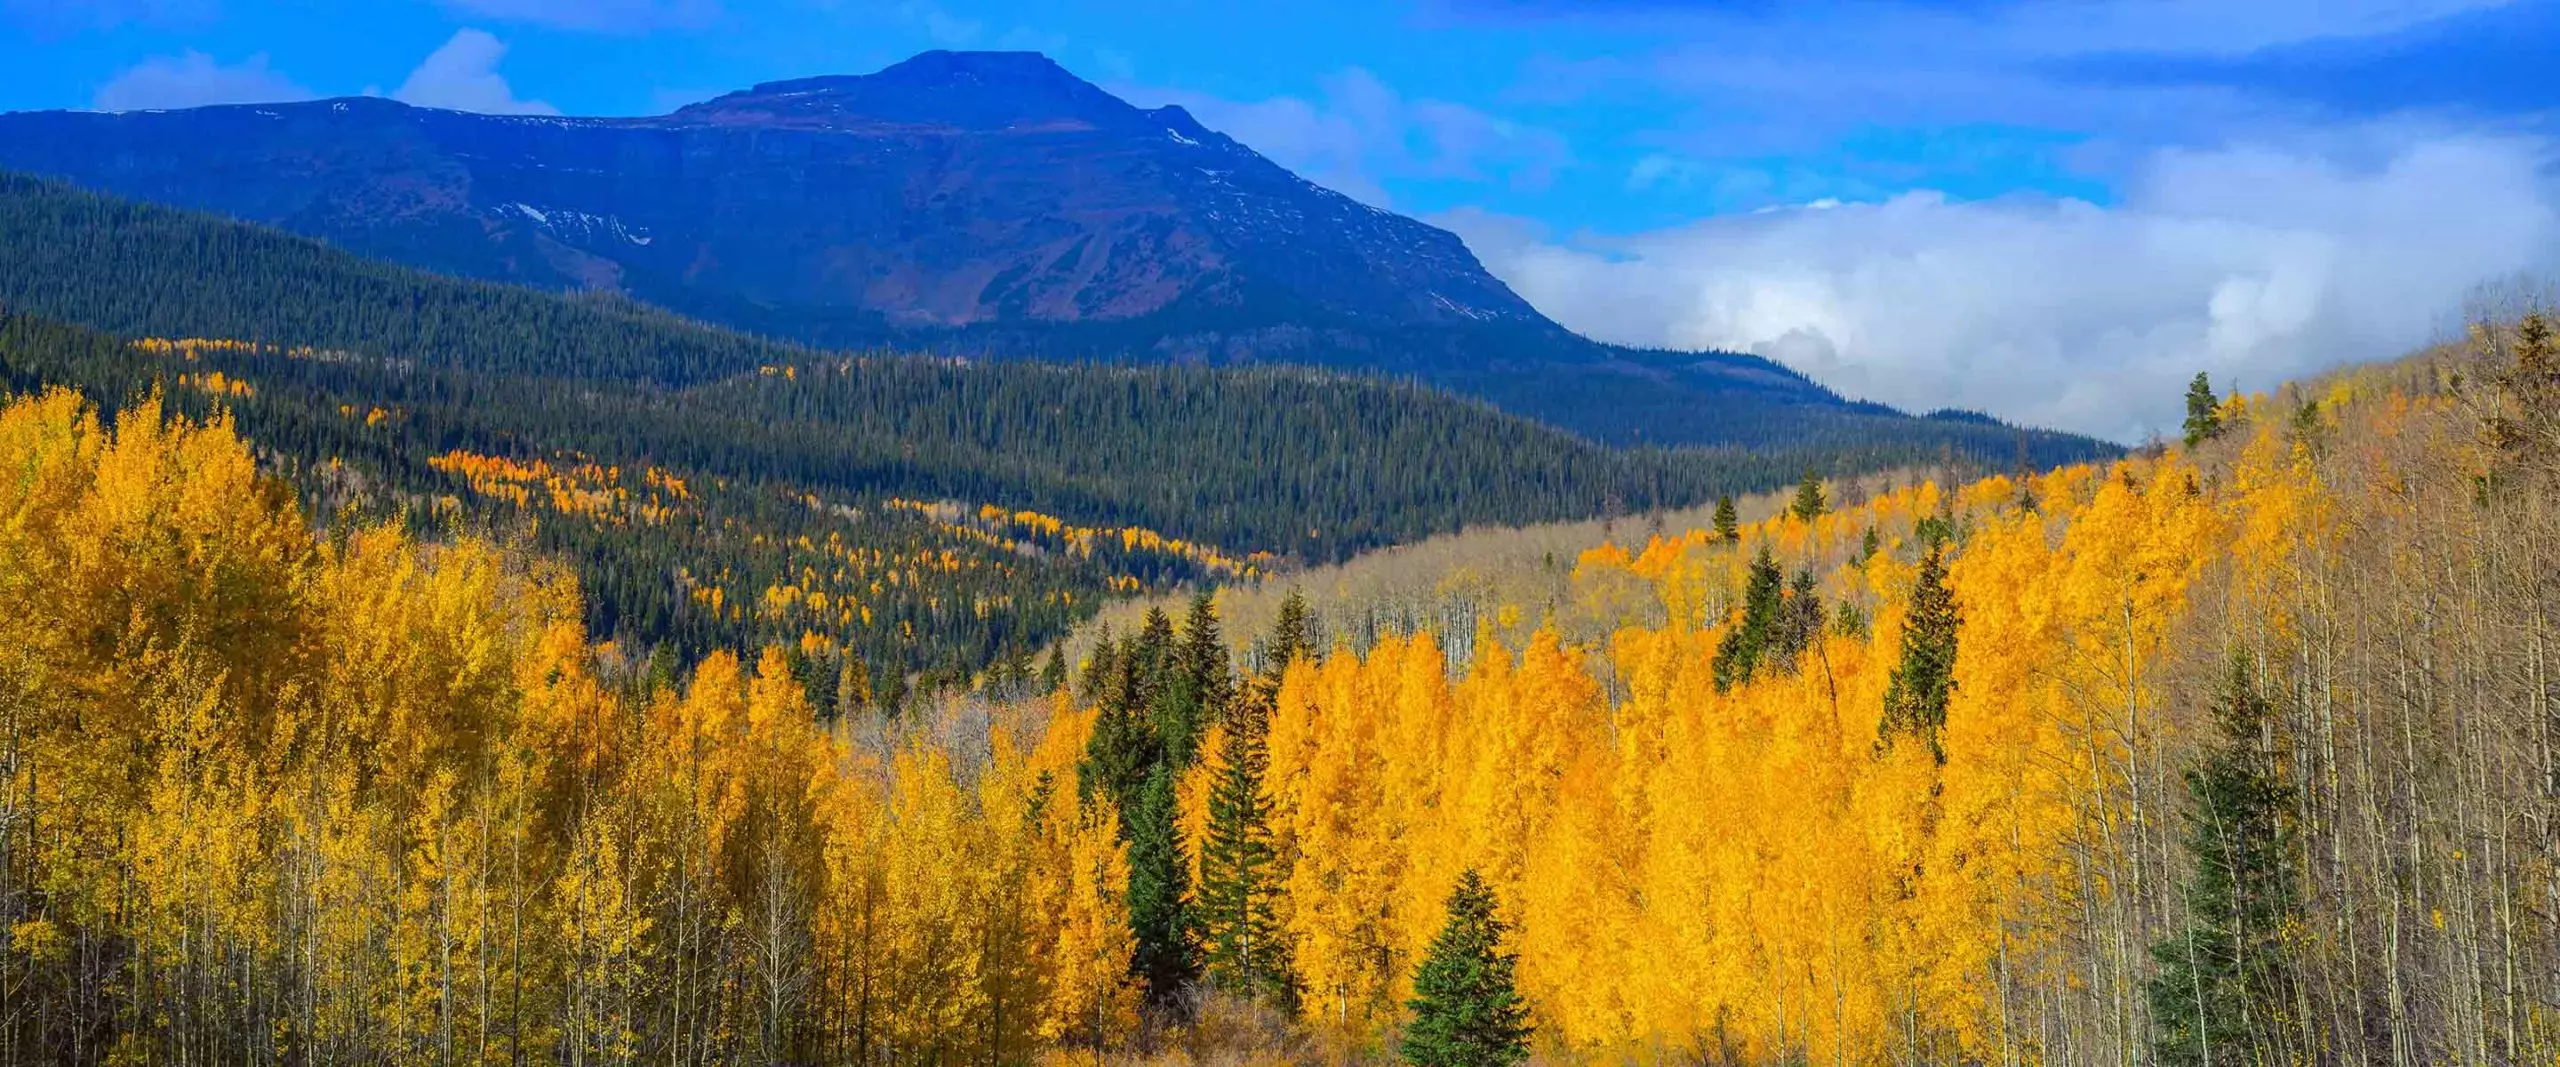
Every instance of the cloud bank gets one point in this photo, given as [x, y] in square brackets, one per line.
[194, 79]
[2254, 264]
[463, 76]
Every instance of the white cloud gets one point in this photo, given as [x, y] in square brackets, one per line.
[2255, 264]
[463, 76]
[603, 15]
[1360, 131]
[194, 79]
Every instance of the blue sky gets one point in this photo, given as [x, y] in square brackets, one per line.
[2055, 210]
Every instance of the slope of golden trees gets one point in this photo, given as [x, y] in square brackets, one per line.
[269, 795]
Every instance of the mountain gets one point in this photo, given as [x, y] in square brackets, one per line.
[955, 510]
[985, 203]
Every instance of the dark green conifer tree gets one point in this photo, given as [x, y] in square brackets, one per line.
[1122, 754]
[1728, 521]
[1467, 1012]
[1292, 635]
[1199, 683]
[1101, 669]
[1915, 697]
[2223, 986]
[1168, 956]
[2204, 411]
[1146, 657]
[1739, 654]
[1239, 881]
[1808, 504]
[1800, 622]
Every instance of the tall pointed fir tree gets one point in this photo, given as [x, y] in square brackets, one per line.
[1292, 635]
[1239, 882]
[1123, 752]
[2204, 411]
[1145, 658]
[1738, 655]
[1728, 522]
[1101, 668]
[1053, 671]
[1799, 624]
[1915, 696]
[1168, 957]
[1199, 684]
[1467, 1012]
[2223, 986]
[1808, 504]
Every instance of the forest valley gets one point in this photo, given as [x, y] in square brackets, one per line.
[2237, 752]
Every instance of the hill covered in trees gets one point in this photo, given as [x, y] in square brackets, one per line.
[906, 512]
[988, 203]
[2237, 752]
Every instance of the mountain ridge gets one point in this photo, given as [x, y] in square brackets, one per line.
[990, 204]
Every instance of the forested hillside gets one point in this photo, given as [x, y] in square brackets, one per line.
[899, 512]
[715, 490]
[2236, 753]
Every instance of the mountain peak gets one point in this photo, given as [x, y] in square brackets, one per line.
[965, 90]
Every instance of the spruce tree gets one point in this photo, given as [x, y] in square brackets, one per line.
[1292, 636]
[1238, 882]
[1199, 684]
[1101, 669]
[2204, 411]
[1120, 756]
[1728, 522]
[1738, 655]
[1146, 658]
[1160, 893]
[1800, 622]
[1915, 697]
[1466, 1010]
[2223, 980]
[1808, 504]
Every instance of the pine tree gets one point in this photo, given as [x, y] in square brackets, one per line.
[1238, 885]
[1145, 659]
[1198, 683]
[1160, 893]
[1101, 669]
[2204, 411]
[1292, 636]
[1466, 1011]
[1738, 655]
[1728, 523]
[1808, 504]
[1053, 673]
[1122, 754]
[1915, 698]
[1800, 622]
[2223, 980]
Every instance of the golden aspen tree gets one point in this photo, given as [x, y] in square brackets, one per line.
[1091, 1000]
